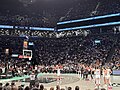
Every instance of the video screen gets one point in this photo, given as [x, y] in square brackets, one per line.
[97, 41]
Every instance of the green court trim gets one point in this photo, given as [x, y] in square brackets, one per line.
[27, 76]
[18, 78]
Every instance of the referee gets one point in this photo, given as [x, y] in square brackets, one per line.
[32, 79]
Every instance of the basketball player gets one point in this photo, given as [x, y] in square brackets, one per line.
[107, 75]
[103, 73]
[91, 71]
[32, 79]
[58, 74]
[97, 77]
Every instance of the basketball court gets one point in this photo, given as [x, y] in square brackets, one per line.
[65, 80]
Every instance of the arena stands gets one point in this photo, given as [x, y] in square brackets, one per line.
[69, 52]
[65, 50]
[75, 9]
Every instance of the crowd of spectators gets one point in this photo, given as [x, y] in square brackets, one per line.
[75, 49]
[13, 86]
[40, 33]
[66, 51]
[115, 62]
[20, 20]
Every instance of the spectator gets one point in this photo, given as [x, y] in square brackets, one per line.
[41, 87]
[27, 88]
[52, 88]
[1, 86]
[69, 88]
[77, 88]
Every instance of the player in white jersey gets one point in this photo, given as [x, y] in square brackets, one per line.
[107, 75]
[58, 72]
[97, 77]
[103, 73]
